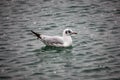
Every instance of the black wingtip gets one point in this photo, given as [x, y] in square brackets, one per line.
[36, 34]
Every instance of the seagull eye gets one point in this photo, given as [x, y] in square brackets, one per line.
[66, 32]
[69, 31]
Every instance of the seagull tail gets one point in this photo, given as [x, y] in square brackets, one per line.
[36, 34]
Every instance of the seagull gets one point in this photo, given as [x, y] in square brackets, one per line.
[57, 41]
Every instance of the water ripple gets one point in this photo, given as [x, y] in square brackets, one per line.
[95, 52]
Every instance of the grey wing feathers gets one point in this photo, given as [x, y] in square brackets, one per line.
[52, 40]
[49, 40]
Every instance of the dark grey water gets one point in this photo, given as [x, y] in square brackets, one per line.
[95, 54]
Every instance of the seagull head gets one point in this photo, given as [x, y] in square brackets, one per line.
[68, 32]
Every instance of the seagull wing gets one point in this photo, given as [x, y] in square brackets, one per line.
[52, 40]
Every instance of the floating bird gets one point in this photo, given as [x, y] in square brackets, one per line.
[58, 41]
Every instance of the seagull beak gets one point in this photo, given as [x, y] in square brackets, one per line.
[74, 32]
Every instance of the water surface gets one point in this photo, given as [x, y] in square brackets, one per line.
[95, 54]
